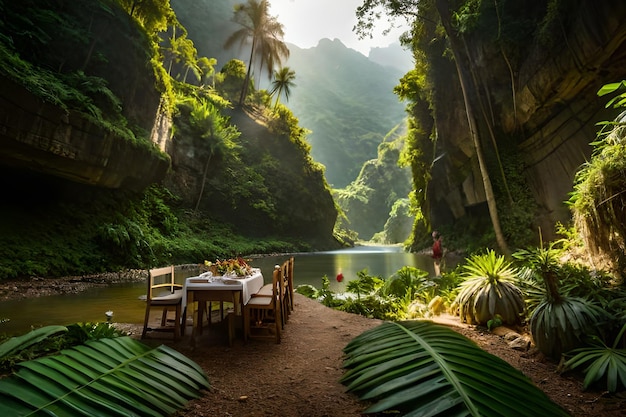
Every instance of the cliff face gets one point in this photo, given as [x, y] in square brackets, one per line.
[546, 108]
[559, 106]
[41, 137]
[95, 46]
[270, 188]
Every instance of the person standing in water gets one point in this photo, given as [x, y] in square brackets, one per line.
[437, 252]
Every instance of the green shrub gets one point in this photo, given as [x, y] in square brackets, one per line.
[488, 290]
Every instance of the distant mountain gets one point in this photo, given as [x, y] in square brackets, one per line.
[342, 96]
[394, 56]
[347, 101]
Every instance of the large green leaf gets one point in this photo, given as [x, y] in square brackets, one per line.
[119, 376]
[19, 343]
[423, 369]
[602, 362]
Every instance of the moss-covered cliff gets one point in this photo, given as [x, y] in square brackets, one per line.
[87, 151]
[79, 95]
[368, 201]
[532, 72]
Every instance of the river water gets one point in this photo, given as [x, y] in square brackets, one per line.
[17, 317]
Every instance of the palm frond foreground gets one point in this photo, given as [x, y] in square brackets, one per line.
[119, 376]
[423, 369]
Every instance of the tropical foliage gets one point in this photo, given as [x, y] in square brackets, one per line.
[489, 289]
[598, 198]
[119, 375]
[406, 294]
[264, 34]
[419, 368]
[560, 321]
[558, 327]
[601, 361]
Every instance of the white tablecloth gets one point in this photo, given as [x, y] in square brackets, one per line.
[247, 285]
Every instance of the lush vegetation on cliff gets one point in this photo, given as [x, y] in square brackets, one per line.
[241, 179]
[493, 141]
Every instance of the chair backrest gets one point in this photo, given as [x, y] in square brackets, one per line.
[285, 272]
[278, 284]
[161, 279]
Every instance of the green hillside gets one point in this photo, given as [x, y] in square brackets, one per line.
[114, 74]
[345, 99]
[348, 103]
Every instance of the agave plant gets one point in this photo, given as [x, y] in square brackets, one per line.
[420, 368]
[119, 376]
[560, 322]
[489, 289]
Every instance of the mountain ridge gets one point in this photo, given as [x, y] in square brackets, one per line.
[348, 113]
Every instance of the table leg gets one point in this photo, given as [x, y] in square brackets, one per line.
[201, 309]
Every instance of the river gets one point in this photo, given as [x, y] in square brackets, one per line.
[18, 316]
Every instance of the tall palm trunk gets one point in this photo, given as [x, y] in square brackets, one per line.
[246, 81]
[443, 8]
[488, 123]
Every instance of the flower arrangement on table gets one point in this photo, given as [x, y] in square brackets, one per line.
[238, 266]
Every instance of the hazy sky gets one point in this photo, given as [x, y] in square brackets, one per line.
[307, 21]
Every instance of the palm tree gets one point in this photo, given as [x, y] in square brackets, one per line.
[270, 52]
[283, 81]
[265, 34]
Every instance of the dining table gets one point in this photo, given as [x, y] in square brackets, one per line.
[207, 288]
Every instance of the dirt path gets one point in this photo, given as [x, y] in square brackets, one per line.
[299, 377]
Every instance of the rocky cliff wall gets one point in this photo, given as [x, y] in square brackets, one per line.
[559, 106]
[41, 137]
[551, 116]
[102, 46]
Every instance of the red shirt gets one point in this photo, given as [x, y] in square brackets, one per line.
[437, 252]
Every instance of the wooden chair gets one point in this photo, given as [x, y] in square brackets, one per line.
[290, 288]
[165, 294]
[262, 318]
[285, 295]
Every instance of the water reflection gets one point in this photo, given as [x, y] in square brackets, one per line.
[123, 299]
[382, 261]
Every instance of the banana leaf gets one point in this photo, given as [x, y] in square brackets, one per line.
[419, 368]
[19, 343]
[108, 377]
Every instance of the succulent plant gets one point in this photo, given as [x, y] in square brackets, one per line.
[560, 322]
[489, 289]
